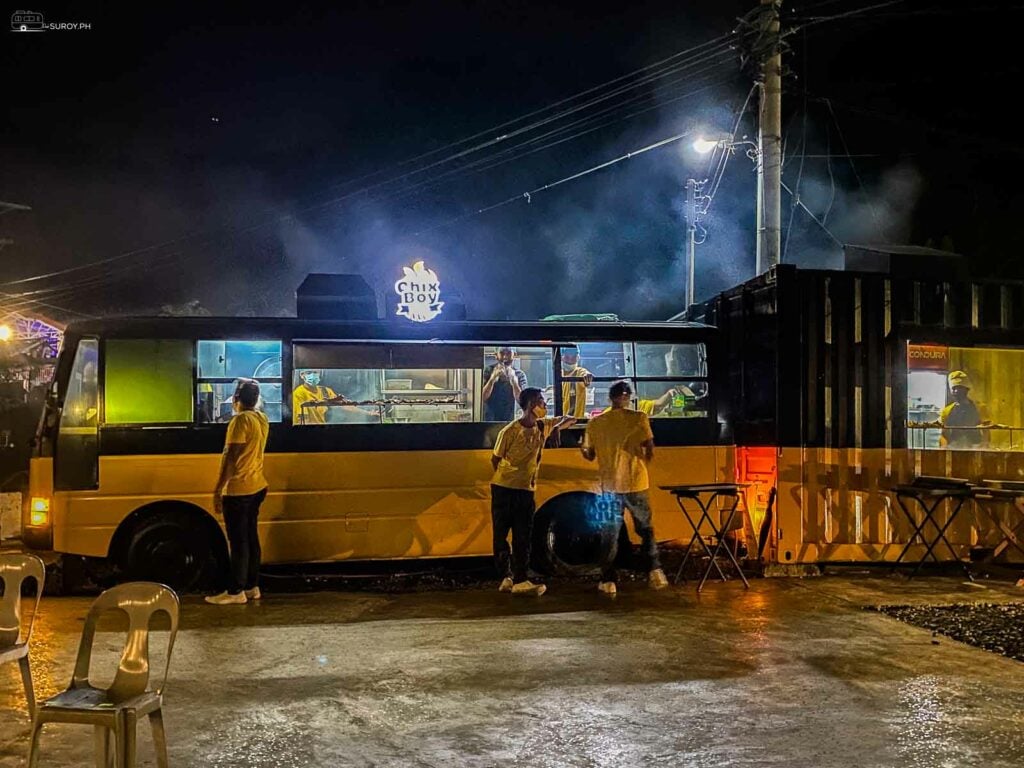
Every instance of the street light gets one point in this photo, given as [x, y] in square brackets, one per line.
[697, 202]
[6, 333]
[702, 146]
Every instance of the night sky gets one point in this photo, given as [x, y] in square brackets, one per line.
[232, 151]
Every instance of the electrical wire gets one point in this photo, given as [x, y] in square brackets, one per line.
[173, 257]
[810, 213]
[853, 166]
[714, 47]
[527, 196]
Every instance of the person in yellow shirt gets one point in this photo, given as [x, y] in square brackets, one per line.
[574, 393]
[240, 490]
[655, 407]
[622, 442]
[310, 391]
[516, 461]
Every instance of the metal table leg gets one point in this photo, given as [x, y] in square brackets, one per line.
[703, 507]
[721, 541]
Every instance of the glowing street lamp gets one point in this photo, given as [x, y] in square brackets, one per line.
[702, 146]
[6, 333]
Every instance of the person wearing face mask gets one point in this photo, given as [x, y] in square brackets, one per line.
[240, 490]
[574, 393]
[502, 387]
[310, 391]
[959, 415]
[516, 461]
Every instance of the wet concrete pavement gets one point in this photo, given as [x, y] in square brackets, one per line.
[792, 673]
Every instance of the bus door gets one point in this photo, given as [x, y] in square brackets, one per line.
[76, 458]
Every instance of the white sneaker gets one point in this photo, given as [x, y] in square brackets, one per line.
[253, 594]
[506, 584]
[656, 579]
[528, 588]
[226, 598]
[607, 587]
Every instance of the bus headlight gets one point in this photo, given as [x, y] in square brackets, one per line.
[39, 511]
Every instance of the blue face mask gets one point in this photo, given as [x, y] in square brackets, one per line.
[312, 379]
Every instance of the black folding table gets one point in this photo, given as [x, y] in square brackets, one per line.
[1003, 491]
[703, 496]
[930, 496]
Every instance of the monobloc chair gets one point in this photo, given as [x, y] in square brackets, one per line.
[117, 708]
[14, 569]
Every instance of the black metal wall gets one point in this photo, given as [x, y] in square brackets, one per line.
[818, 358]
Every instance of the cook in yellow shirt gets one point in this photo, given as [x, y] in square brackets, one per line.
[310, 391]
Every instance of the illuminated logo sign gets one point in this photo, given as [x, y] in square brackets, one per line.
[921, 357]
[419, 293]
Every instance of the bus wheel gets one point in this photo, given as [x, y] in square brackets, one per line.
[574, 534]
[172, 547]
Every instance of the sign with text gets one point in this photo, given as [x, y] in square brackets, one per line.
[419, 293]
[924, 357]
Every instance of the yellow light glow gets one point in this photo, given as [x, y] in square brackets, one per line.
[40, 511]
[5, 333]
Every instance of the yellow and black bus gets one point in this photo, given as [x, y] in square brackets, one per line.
[129, 443]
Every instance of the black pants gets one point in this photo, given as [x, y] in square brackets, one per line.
[240, 516]
[512, 509]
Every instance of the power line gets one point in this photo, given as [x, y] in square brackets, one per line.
[714, 47]
[814, 218]
[171, 258]
[527, 196]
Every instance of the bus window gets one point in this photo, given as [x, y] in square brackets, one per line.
[664, 388]
[385, 384]
[672, 399]
[587, 371]
[76, 462]
[531, 367]
[147, 381]
[671, 360]
[221, 363]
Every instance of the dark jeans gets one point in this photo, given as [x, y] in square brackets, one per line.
[240, 515]
[639, 506]
[512, 509]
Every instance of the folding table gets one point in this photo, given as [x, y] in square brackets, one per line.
[703, 496]
[929, 496]
[999, 491]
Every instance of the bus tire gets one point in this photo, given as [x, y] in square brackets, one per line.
[170, 543]
[574, 535]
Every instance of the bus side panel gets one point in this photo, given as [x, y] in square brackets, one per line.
[337, 506]
[835, 505]
[565, 470]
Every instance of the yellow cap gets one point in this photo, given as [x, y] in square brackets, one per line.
[958, 379]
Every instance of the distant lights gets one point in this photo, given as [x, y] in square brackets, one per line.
[6, 333]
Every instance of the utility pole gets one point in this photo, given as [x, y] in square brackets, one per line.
[769, 141]
[691, 239]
